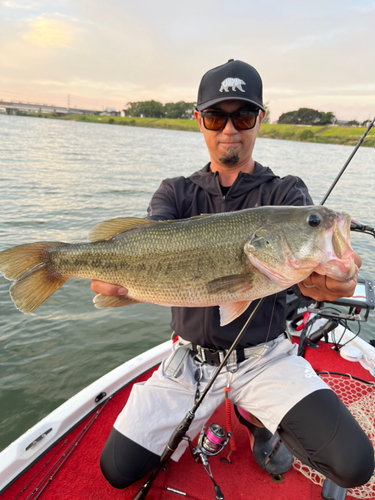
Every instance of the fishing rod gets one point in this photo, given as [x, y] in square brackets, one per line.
[179, 433]
[354, 225]
[347, 162]
[181, 430]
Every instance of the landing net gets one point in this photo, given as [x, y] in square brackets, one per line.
[359, 396]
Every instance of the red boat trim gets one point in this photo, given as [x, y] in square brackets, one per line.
[69, 431]
[66, 454]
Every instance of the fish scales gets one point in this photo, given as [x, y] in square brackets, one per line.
[173, 264]
[224, 259]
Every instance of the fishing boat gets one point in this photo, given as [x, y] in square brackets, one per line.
[58, 458]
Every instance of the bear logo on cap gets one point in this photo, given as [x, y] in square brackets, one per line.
[235, 83]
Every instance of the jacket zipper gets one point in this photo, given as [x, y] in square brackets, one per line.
[223, 197]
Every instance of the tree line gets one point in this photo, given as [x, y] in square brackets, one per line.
[155, 109]
[185, 110]
[180, 109]
[307, 116]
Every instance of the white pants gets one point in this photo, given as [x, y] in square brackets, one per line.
[267, 384]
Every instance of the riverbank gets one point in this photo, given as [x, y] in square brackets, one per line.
[347, 136]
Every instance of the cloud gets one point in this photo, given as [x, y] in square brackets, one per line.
[308, 54]
[360, 88]
[363, 7]
[35, 5]
[284, 91]
[13, 4]
[50, 32]
[308, 41]
[47, 83]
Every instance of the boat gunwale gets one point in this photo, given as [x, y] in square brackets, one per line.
[15, 460]
[74, 410]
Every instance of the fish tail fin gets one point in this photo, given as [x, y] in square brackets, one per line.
[34, 277]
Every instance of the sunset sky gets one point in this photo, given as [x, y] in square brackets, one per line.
[96, 54]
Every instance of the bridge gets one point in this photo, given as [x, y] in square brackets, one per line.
[11, 108]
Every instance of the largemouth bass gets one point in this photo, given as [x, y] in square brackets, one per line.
[226, 259]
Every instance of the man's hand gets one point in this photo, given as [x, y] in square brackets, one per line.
[322, 288]
[107, 289]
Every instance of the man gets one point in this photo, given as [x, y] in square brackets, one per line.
[276, 393]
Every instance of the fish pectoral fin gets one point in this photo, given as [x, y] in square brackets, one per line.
[104, 301]
[235, 283]
[229, 312]
[109, 228]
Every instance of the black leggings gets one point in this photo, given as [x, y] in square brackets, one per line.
[319, 430]
[323, 434]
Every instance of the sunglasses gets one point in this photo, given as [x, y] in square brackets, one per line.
[243, 119]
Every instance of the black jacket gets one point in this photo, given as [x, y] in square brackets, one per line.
[181, 197]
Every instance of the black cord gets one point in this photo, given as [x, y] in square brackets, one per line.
[343, 323]
[361, 228]
[355, 336]
[328, 309]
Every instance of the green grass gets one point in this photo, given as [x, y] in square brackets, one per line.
[326, 135]
[322, 134]
[187, 125]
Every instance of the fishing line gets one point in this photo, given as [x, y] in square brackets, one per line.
[229, 352]
[347, 163]
[181, 430]
[269, 326]
[355, 226]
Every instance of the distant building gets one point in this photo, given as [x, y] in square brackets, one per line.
[111, 112]
[341, 123]
[366, 123]
[350, 123]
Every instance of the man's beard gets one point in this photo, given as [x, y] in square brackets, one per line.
[229, 158]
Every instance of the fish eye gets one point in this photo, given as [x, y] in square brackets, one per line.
[314, 220]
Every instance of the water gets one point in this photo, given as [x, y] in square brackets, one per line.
[58, 179]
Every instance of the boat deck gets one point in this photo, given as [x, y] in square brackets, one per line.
[70, 470]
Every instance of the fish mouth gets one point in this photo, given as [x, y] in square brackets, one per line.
[335, 245]
[333, 257]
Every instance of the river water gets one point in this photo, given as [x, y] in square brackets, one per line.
[57, 180]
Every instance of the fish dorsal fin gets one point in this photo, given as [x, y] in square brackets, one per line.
[194, 217]
[201, 216]
[109, 228]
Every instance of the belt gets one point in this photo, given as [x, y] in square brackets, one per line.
[215, 357]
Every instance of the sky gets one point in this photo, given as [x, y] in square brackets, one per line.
[95, 54]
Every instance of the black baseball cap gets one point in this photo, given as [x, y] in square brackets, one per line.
[232, 80]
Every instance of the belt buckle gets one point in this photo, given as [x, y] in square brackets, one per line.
[212, 357]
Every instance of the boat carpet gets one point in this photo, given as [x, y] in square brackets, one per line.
[79, 476]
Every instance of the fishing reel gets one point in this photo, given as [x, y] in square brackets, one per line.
[210, 443]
